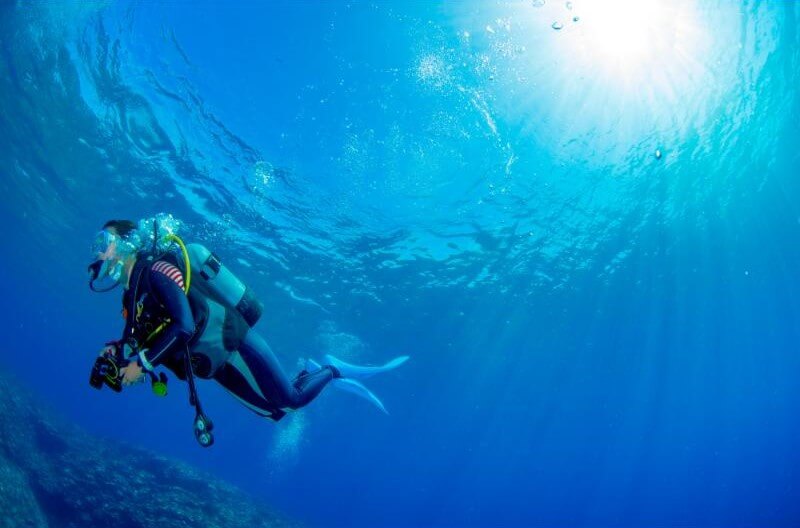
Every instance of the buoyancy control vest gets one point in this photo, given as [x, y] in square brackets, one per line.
[223, 309]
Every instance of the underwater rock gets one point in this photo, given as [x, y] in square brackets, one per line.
[17, 501]
[53, 474]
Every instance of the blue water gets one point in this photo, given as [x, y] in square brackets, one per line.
[589, 247]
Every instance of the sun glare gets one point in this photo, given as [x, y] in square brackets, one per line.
[623, 32]
[598, 76]
[636, 43]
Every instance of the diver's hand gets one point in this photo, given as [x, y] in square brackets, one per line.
[133, 373]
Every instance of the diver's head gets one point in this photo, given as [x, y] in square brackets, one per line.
[113, 253]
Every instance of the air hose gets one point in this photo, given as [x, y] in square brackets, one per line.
[175, 238]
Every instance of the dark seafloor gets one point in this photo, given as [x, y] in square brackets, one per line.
[55, 475]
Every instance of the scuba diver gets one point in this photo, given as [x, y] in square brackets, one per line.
[185, 311]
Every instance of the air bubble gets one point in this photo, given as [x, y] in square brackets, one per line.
[557, 26]
[537, 3]
[658, 154]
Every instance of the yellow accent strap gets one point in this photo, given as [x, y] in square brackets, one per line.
[111, 377]
[157, 331]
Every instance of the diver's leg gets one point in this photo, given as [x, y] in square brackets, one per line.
[268, 378]
[237, 379]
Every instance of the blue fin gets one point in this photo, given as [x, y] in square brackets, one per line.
[312, 366]
[354, 387]
[348, 370]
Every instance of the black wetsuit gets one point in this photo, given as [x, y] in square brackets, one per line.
[251, 371]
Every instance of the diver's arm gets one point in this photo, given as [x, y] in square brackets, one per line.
[165, 285]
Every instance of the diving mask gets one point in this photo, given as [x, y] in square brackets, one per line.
[106, 270]
[102, 241]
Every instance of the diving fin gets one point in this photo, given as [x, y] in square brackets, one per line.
[312, 366]
[354, 387]
[347, 370]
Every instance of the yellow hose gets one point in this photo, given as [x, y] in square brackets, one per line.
[177, 240]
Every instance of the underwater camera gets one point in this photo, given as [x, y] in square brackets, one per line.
[106, 369]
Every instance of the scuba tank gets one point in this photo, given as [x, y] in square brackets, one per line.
[214, 280]
[204, 270]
